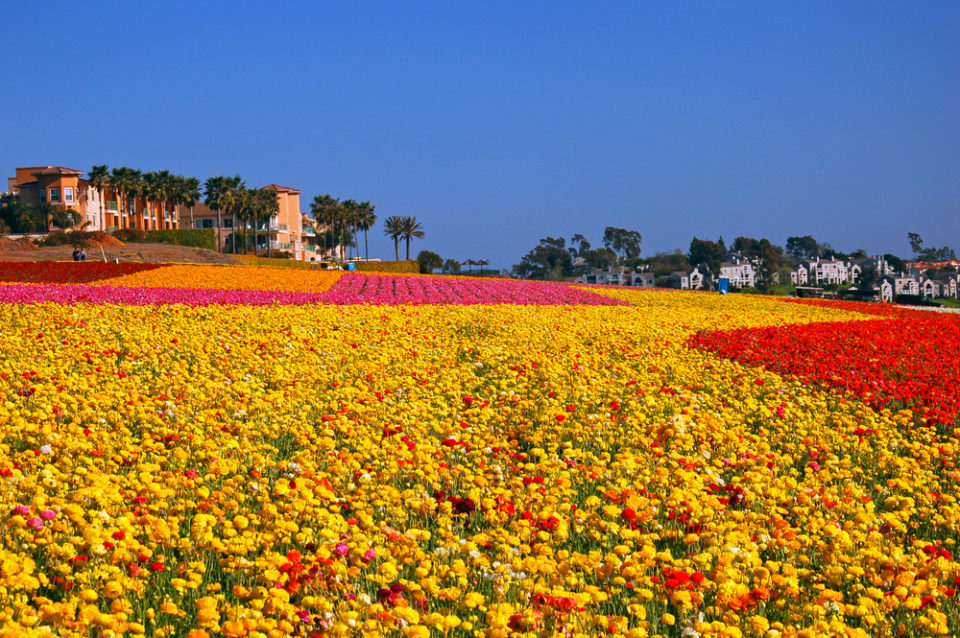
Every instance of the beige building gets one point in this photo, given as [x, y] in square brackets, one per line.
[288, 231]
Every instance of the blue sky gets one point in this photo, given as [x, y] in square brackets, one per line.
[496, 124]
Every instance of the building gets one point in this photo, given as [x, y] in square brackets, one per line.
[289, 231]
[741, 275]
[66, 188]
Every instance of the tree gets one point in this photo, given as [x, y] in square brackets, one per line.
[549, 259]
[366, 218]
[188, 193]
[805, 247]
[916, 243]
[99, 180]
[215, 197]
[393, 228]
[123, 181]
[625, 243]
[578, 246]
[429, 261]
[767, 257]
[410, 229]
[920, 253]
[859, 253]
[895, 263]
[868, 277]
[233, 198]
[349, 213]
[265, 205]
[63, 218]
[710, 253]
[451, 266]
[324, 209]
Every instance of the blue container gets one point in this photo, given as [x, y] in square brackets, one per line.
[351, 266]
[723, 285]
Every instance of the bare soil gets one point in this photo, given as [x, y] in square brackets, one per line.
[144, 253]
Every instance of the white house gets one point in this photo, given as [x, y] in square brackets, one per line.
[740, 275]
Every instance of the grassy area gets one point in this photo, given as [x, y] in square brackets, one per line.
[949, 303]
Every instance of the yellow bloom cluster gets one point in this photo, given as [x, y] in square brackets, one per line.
[454, 471]
[227, 277]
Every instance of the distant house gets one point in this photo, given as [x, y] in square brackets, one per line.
[741, 275]
[827, 271]
[687, 280]
[887, 289]
[946, 284]
[905, 285]
[800, 276]
[643, 279]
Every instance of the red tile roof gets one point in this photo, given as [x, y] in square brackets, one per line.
[282, 189]
[58, 170]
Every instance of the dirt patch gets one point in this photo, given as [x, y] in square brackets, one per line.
[16, 245]
[144, 253]
[105, 240]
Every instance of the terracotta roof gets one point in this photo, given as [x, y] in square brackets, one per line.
[58, 170]
[282, 189]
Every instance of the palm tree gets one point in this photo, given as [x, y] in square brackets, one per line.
[135, 190]
[152, 187]
[349, 211]
[393, 228]
[189, 194]
[163, 192]
[266, 206]
[123, 181]
[365, 221]
[216, 189]
[324, 209]
[410, 229]
[235, 186]
[100, 179]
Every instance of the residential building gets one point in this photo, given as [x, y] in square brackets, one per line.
[827, 271]
[288, 230]
[741, 275]
[66, 188]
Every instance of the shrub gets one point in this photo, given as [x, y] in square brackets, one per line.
[196, 237]
[130, 235]
[271, 262]
[410, 266]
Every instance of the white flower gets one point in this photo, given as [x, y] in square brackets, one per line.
[46, 449]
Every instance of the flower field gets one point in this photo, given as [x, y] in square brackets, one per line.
[440, 458]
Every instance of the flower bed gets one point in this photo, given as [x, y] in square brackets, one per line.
[456, 470]
[910, 361]
[391, 290]
[72, 294]
[230, 278]
[58, 272]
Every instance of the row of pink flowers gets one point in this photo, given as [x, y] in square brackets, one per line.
[351, 289]
[79, 293]
[372, 289]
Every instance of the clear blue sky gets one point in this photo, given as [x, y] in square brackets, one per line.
[499, 123]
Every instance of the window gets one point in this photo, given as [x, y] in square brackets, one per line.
[228, 223]
[203, 223]
[110, 204]
[68, 194]
[54, 194]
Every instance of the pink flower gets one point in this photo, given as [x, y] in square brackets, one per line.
[35, 523]
[342, 549]
[21, 510]
[369, 555]
[48, 515]
[191, 474]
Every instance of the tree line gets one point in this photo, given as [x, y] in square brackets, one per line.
[555, 258]
[227, 196]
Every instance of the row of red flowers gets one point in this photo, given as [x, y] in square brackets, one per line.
[910, 360]
[57, 272]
